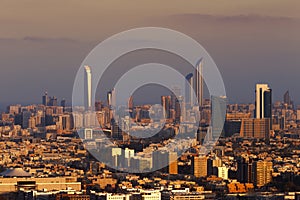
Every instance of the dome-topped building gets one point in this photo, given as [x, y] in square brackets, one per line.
[15, 172]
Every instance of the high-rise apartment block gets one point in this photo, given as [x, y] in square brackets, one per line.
[262, 172]
[200, 166]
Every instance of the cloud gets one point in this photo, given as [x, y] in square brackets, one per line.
[38, 39]
[46, 39]
[232, 18]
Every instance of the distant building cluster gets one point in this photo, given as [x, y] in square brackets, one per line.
[105, 151]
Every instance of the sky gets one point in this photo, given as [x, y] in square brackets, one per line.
[43, 43]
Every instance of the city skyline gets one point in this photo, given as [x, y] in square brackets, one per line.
[149, 100]
[251, 48]
[69, 103]
[248, 156]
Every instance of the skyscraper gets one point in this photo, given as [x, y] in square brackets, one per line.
[199, 82]
[179, 109]
[218, 115]
[166, 104]
[263, 101]
[189, 89]
[53, 101]
[287, 98]
[46, 99]
[111, 99]
[263, 105]
[88, 87]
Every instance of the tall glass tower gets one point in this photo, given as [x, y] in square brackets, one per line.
[199, 82]
[189, 89]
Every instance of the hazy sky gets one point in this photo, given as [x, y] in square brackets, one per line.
[42, 43]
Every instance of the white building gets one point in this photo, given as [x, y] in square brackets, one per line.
[88, 82]
[150, 195]
[223, 172]
[88, 134]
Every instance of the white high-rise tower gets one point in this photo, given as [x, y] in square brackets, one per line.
[88, 88]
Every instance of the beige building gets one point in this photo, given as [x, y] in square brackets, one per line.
[237, 116]
[17, 179]
[255, 128]
[200, 166]
[173, 164]
[262, 173]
